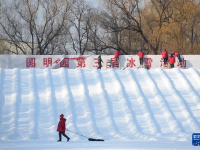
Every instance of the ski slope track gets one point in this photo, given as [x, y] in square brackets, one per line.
[130, 109]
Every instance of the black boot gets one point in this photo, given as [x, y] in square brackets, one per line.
[68, 139]
[59, 141]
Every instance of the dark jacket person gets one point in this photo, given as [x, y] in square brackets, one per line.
[99, 62]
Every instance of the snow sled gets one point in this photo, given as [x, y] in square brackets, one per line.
[91, 139]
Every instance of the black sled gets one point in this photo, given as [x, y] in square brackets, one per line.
[91, 139]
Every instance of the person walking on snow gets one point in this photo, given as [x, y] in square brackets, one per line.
[61, 128]
[117, 53]
[176, 54]
[165, 56]
[141, 56]
[171, 60]
[99, 62]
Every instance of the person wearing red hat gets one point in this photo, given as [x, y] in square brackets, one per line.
[61, 128]
[171, 60]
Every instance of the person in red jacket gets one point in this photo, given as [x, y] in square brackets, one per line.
[141, 56]
[61, 128]
[171, 60]
[176, 54]
[117, 53]
[165, 56]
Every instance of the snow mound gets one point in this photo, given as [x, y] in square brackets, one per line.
[116, 105]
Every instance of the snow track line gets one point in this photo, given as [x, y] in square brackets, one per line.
[155, 102]
[56, 81]
[139, 104]
[11, 92]
[115, 97]
[192, 81]
[14, 105]
[33, 106]
[92, 90]
[133, 125]
[183, 106]
[84, 121]
[17, 86]
[175, 102]
[46, 119]
[128, 96]
[88, 79]
[27, 114]
[107, 124]
[164, 92]
[156, 128]
[196, 77]
[2, 97]
[163, 106]
[123, 99]
[108, 102]
[51, 99]
[127, 120]
[193, 104]
[87, 103]
[69, 100]
[198, 71]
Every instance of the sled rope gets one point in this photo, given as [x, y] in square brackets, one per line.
[89, 139]
[77, 133]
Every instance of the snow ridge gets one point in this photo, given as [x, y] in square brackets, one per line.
[116, 105]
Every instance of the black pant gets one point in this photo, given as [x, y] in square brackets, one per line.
[179, 58]
[165, 60]
[63, 133]
[171, 65]
[99, 66]
[141, 61]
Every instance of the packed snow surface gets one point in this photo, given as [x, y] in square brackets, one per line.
[130, 109]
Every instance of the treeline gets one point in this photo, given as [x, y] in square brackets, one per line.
[48, 27]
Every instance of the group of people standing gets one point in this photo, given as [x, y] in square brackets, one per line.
[166, 58]
[171, 58]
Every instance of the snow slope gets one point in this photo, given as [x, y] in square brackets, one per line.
[130, 109]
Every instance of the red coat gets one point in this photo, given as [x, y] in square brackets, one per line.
[61, 125]
[175, 53]
[117, 53]
[141, 54]
[171, 60]
[164, 54]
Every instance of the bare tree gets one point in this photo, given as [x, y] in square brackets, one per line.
[111, 21]
[34, 25]
[158, 21]
[99, 42]
[130, 14]
[80, 20]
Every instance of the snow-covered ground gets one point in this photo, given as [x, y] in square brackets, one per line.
[130, 109]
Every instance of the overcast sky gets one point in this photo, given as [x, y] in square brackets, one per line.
[94, 2]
